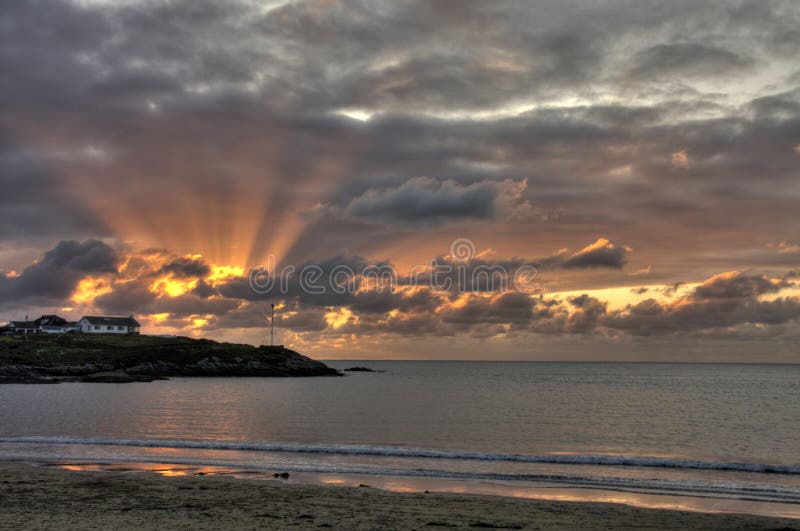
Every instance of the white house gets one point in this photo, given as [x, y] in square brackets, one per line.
[109, 325]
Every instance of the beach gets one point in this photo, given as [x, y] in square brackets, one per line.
[54, 498]
[599, 433]
[531, 264]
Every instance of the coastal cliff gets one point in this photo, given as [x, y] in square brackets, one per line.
[95, 358]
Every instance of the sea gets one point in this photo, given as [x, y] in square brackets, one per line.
[704, 437]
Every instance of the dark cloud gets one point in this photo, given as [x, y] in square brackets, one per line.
[90, 256]
[137, 77]
[664, 61]
[424, 201]
[127, 298]
[695, 316]
[723, 301]
[204, 290]
[186, 267]
[778, 107]
[34, 203]
[587, 315]
[491, 274]
[671, 290]
[55, 277]
[737, 285]
[601, 253]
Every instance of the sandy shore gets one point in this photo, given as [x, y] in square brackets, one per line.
[52, 498]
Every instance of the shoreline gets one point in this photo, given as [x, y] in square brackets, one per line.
[60, 495]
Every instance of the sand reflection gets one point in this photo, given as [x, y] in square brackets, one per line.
[438, 485]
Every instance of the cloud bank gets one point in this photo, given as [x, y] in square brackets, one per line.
[189, 138]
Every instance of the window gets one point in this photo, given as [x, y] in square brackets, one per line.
[110, 327]
[96, 327]
[121, 328]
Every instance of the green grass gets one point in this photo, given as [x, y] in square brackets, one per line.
[126, 350]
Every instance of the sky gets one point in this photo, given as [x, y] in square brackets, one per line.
[631, 169]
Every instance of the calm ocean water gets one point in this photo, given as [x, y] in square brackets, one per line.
[729, 431]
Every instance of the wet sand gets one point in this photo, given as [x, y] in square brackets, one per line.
[53, 498]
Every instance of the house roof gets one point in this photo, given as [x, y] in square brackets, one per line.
[52, 320]
[115, 321]
[23, 324]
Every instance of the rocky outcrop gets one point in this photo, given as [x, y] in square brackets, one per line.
[141, 359]
[360, 369]
[215, 366]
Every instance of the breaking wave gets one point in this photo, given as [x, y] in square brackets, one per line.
[389, 451]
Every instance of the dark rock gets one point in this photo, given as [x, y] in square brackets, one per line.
[28, 380]
[487, 525]
[113, 377]
[360, 369]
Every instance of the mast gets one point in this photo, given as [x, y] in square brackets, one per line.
[272, 326]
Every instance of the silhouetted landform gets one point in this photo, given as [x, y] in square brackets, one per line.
[112, 359]
[360, 369]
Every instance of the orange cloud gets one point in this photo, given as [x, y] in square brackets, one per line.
[680, 159]
[89, 288]
[220, 274]
[338, 317]
[172, 287]
[159, 317]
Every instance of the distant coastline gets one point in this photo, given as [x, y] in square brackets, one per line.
[124, 359]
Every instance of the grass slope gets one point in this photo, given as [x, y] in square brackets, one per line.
[119, 353]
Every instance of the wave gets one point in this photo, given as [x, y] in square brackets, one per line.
[391, 451]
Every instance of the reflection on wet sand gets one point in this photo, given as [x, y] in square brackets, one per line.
[167, 470]
[708, 504]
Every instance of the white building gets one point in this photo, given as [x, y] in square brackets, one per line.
[109, 325]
